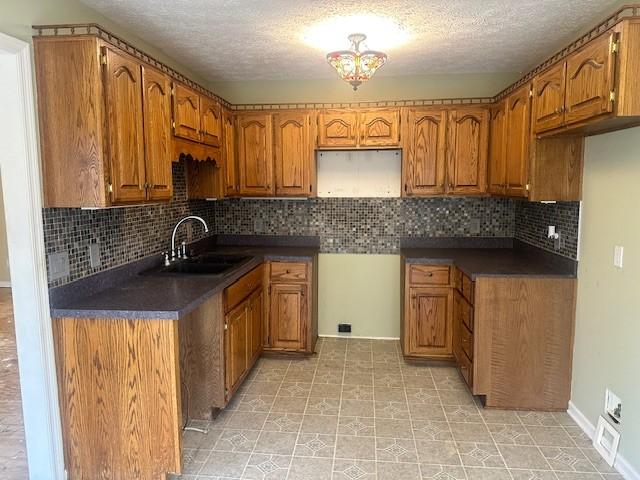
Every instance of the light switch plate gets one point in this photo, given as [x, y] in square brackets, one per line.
[58, 265]
[94, 255]
[618, 254]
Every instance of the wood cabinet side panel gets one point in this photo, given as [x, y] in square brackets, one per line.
[524, 331]
[202, 361]
[119, 392]
[72, 122]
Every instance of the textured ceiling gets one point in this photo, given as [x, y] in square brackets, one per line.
[263, 39]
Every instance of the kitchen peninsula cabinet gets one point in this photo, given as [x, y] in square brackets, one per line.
[510, 335]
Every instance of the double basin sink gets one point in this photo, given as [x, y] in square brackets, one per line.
[204, 264]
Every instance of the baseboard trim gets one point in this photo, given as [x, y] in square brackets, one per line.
[5, 284]
[621, 464]
[359, 337]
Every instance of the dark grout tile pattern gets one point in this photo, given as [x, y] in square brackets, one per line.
[358, 411]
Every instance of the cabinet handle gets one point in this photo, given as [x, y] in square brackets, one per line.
[430, 274]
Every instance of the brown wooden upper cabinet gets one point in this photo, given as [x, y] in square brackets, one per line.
[467, 148]
[156, 101]
[107, 143]
[445, 151]
[424, 162]
[255, 154]
[337, 129]
[497, 148]
[196, 117]
[582, 87]
[186, 112]
[229, 154]
[294, 152]
[379, 128]
[359, 128]
[509, 144]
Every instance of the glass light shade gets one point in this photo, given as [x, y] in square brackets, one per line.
[355, 66]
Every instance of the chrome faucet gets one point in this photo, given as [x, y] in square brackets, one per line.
[173, 236]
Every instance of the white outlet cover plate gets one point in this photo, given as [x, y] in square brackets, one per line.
[606, 441]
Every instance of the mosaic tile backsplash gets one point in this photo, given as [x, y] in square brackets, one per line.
[532, 220]
[366, 225]
[123, 234]
[344, 225]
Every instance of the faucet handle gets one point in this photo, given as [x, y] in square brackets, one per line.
[167, 262]
[183, 250]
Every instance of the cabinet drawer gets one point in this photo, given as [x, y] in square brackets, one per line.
[465, 313]
[429, 274]
[288, 272]
[240, 290]
[466, 369]
[466, 340]
[467, 288]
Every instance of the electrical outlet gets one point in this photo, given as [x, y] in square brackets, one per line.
[58, 265]
[618, 253]
[613, 406]
[258, 225]
[474, 226]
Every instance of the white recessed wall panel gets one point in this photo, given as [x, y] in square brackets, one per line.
[359, 173]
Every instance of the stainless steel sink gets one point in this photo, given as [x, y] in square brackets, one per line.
[205, 264]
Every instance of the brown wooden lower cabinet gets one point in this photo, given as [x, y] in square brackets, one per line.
[428, 312]
[293, 320]
[511, 337]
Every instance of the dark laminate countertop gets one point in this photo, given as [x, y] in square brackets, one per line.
[125, 292]
[492, 258]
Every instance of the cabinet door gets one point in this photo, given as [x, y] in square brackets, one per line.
[430, 321]
[293, 153]
[157, 133]
[337, 128]
[230, 159]
[211, 122]
[590, 80]
[123, 89]
[424, 164]
[186, 113]
[467, 151]
[497, 144]
[379, 128]
[255, 157]
[237, 324]
[517, 142]
[288, 315]
[548, 99]
[256, 309]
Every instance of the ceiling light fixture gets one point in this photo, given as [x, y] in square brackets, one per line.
[354, 66]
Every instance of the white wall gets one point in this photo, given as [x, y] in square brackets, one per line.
[4, 254]
[607, 349]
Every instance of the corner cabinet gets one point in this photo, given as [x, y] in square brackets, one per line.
[292, 308]
[111, 130]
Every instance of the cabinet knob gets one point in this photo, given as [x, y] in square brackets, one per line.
[288, 271]
[430, 274]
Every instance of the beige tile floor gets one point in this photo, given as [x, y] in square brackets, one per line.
[358, 411]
